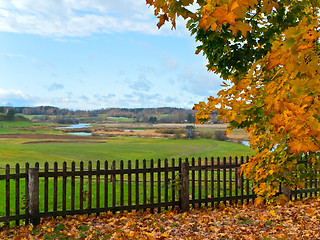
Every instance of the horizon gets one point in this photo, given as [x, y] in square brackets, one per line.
[97, 108]
[89, 56]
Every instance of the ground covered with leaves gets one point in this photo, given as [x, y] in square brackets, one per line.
[294, 220]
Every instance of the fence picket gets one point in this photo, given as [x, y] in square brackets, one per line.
[166, 180]
[73, 186]
[46, 187]
[137, 183]
[114, 182]
[193, 182]
[151, 185]
[159, 184]
[230, 178]
[242, 181]
[106, 184]
[236, 174]
[144, 183]
[212, 181]
[129, 185]
[7, 192]
[90, 185]
[224, 185]
[218, 180]
[199, 182]
[55, 187]
[26, 192]
[206, 179]
[17, 194]
[81, 193]
[121, 185]
[64, 187]
[98, 185]
[173, 180]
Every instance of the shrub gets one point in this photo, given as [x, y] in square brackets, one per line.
[220, 136]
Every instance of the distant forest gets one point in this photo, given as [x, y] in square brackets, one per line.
[152, 115]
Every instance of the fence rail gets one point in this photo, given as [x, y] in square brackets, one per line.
[35, 193]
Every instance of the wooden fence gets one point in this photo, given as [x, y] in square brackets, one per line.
[29, 194]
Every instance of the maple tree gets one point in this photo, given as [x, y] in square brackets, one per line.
[267, 52]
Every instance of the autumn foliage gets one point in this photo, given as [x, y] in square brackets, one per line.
[298, 220]
[267, 52]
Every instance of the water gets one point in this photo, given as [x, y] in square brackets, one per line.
[80, 133]
[76, 126]
[246, 143]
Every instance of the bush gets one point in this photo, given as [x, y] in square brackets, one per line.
[220, 135]
[2, 117]
[216, 135]
[21, 118]
[10, 115]
[66, 121]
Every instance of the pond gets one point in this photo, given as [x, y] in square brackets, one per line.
[246, 143]
[78, 126]
[80, 133]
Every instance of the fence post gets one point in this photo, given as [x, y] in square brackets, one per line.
[239, 179]
[184, 192]
[284, 188]
[33, 175]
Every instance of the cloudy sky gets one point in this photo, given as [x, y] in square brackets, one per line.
[91, 54]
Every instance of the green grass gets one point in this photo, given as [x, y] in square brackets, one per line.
[172, 183]
[14, 151]
[120, 120]
[13, 124]
[30, 117]
[20, 127]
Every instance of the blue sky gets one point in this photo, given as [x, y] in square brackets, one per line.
[92, 54]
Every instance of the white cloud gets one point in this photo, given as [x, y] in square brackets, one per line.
[171, 63]
[55, 86]
[142, 84]
[61, 18]
[200, 83]
[16, 98]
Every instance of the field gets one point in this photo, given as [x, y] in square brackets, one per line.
[27, 142]
[22, 142]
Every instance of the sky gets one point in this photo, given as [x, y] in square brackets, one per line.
[92, 54]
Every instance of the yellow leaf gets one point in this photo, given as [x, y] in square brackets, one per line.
[242, 27]
[165, 235]
[272, 212]
[268, 5]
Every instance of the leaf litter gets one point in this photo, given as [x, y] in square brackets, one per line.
[293, 220]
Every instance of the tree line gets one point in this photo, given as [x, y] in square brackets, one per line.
[151, 115]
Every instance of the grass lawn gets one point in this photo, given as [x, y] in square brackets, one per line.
[19, 127]
[14, 151]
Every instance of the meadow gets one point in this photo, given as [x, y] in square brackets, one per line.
[22, 142]
[29, 145]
